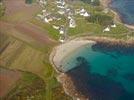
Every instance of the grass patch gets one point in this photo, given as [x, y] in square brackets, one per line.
[29, 86]
[47, 28]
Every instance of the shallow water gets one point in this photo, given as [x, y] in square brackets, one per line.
[102, 72]
[125, 9]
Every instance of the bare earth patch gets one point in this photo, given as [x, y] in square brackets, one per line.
[33, 31]
[15, 6]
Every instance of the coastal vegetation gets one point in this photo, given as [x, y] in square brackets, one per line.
[27, 42]
[100, 19]
[29, 86]
[93, 2]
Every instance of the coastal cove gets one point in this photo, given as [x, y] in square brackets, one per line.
[90, 76]
[65, 50]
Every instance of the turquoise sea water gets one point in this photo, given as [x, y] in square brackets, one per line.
[125, 9]
[102, 72]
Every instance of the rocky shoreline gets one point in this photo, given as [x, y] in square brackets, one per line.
[117, 17]
[66, 80]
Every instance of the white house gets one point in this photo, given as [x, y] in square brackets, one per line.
[107, 29]
[69, 17]
[61, 30]
[56, 27]
[43, 11]
[61, 40]
[58, 18]
[40, 16]
[48, 19]
[68, 9]
[62, 2]
[83, 12]
[61, 12]
[86, 14]
[113, 26]
[60, 6]
[72, 23]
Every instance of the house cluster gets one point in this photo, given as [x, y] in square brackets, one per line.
[61, 4]
[45, 16]
[63, 9]
[62, 32]
[83, 12]
[69, 12]
[108, 28]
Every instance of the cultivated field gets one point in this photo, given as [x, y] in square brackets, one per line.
[25, 46]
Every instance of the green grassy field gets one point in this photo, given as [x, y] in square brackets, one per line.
[29, 86]
[53, 33]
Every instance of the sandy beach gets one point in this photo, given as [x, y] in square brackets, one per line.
[56, 58]
[62, 51]
[65, 49]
